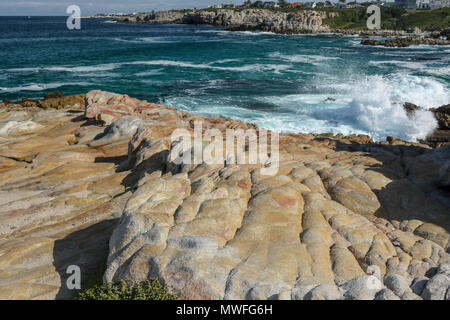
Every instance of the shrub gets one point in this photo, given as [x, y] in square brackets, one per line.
[148, 290]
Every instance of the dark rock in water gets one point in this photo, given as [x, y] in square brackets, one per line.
[411, 108]
[330, 99]
[445, 33]
[424, 59]
[370, 42]
[405, 42]
[441, 136]
[53, 95]
[442, 114]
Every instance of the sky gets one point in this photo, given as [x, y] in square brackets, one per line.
[89, 7]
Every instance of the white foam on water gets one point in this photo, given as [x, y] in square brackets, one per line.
[100, 67]
[42, 86]
[376, 107]
[408, 64]
[372, 105]
[303, 58]
[226, 61]
[277, 68]
[439, 71]
[150, 73]
[153, 40]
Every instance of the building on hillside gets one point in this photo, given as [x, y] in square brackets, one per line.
[310, 5]
[423, 4]
[228, 6]
[437, 4]
[216, 6]
[271, 4]
[296, 4]
[406, 4]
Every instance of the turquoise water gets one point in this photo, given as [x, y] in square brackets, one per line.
[317, 83]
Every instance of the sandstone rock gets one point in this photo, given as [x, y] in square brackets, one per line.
[397, 283]
[362, 288]
[418, 285]
[386, 294]
[437, 287]
[13, 128]
[340, 214]
[324, 292]
[122, 128]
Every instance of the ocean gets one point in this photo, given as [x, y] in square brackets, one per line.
[305, 83]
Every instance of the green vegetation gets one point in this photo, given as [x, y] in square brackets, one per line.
[147, 290]
[392, 18]
[427, 20]
[347, 19]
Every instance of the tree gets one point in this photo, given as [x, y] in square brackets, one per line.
[282, 3]
[342, 1]
[257, 4]
[248, 3]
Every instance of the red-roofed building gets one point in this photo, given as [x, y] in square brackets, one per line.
[296, 4]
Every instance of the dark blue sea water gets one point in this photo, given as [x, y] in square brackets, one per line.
[315, 83]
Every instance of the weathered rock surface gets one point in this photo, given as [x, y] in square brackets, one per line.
[249, 19]
[343, 218]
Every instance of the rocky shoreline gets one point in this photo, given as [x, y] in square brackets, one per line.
[406, 42]
[91, 183]
[297, 22]
[250, 19]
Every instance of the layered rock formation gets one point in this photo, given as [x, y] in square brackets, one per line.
[343, 218]
[250, 19]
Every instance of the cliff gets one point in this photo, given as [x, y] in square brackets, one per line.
[93, 184]
[250, 19]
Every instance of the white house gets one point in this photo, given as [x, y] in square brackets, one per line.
[437, 4]
[423, 4]
[309, 5]
[270, 4]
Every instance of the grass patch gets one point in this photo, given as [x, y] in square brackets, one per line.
[392, 18]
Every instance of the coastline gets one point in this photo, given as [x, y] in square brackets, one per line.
[440, 137]
[279, 22]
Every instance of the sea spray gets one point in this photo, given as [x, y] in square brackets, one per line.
[376, 107]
